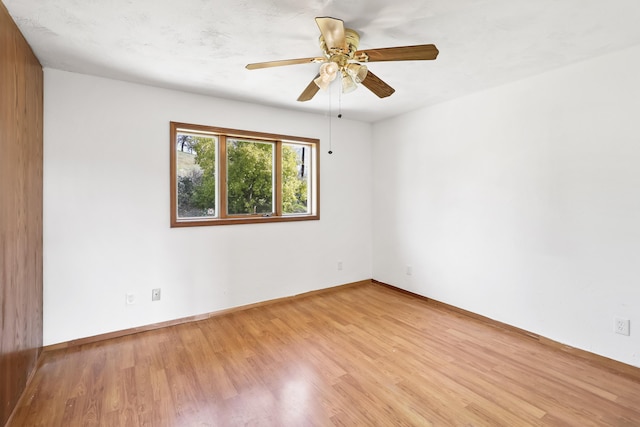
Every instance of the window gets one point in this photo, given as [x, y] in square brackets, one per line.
[226, 176]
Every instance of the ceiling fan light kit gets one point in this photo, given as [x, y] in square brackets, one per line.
[341, 55]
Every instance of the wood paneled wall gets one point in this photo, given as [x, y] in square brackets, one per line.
[21, 143]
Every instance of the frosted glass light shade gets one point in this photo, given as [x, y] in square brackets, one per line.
[330, 68]
[358, 72]
[328, 73]
[322, 82]
[348, 85]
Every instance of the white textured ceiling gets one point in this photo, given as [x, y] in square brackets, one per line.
[202, 46]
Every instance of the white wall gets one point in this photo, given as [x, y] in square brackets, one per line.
[106, 214]
[522, 203]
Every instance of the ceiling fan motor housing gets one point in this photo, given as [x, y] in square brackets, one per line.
[352, 41]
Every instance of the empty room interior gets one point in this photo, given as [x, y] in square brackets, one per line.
[216, 214]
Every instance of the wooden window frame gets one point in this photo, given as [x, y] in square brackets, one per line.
[223, 218]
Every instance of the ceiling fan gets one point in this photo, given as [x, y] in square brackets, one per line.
[342, 57]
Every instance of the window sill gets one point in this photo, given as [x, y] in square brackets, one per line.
[241, 220]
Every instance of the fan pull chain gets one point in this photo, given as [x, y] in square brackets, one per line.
[330, 120]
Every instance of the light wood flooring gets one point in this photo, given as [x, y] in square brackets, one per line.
[363, 355]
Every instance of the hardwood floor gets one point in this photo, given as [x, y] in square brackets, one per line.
[361, 355]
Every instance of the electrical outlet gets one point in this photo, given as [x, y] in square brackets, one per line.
[339, 265]
[155, 294]
[621, 326]
[130, 299]
[409, 270]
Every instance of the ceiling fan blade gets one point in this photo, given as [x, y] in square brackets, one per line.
[402, 53]
[283, 62]
[310, 91]
[332, 30]
[377, 86]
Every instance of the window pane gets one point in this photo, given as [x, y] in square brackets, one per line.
[196, 175]
[250, 183]
[296, 170]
